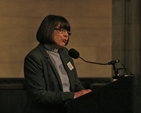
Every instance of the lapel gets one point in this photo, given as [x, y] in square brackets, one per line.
[43, 51]
[65, 60]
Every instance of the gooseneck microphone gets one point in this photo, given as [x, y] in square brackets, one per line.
[75, 54]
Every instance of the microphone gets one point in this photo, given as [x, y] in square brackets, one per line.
[75, 54]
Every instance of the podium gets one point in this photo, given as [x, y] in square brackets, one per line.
[121, 96]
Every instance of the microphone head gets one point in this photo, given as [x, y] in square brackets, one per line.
[73, 53]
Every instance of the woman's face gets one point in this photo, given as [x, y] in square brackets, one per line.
[60, 37]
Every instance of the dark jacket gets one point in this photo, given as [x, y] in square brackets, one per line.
[43, 84]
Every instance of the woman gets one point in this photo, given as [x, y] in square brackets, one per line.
[50, 74]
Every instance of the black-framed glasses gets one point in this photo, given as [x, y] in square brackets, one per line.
[63, 31]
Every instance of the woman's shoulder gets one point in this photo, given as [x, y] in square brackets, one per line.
[37, 51]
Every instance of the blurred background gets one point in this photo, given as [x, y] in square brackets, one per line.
[102, 30]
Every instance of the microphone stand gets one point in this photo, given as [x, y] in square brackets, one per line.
[113, 63]
[115, 71]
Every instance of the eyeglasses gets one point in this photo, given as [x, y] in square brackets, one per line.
[63, 31]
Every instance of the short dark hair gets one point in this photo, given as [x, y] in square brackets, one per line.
[45, 31]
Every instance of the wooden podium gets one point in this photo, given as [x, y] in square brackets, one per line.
[121, 96]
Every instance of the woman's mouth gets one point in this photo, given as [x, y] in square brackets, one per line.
[65, 41]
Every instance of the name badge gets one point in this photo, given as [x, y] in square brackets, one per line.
[70, 66]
